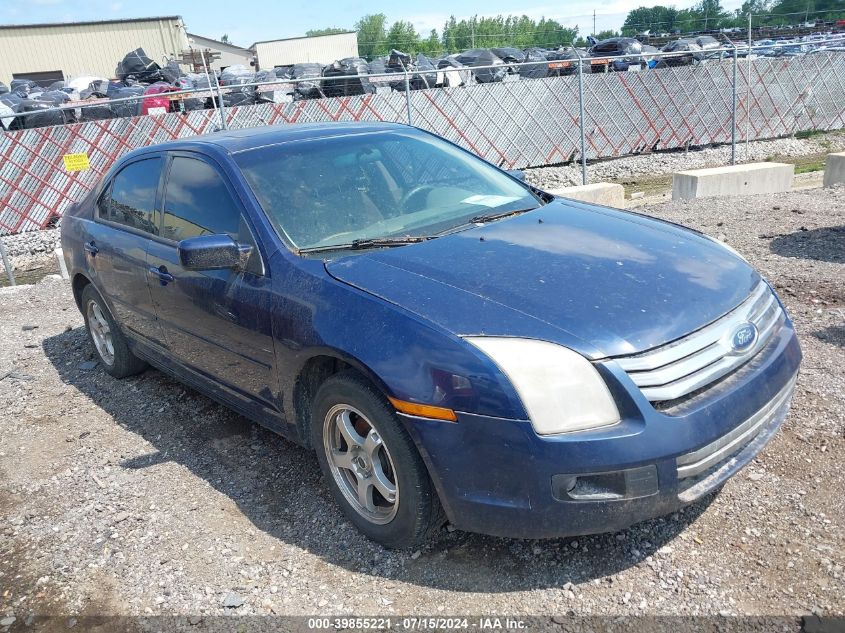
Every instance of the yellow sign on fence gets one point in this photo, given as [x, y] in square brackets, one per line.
[76, 162]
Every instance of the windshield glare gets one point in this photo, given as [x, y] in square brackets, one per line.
[334, 190]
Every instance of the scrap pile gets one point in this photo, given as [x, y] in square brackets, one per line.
[142, 86]
[137, 78]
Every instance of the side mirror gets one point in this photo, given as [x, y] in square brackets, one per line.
[213, 252]
[517, 173]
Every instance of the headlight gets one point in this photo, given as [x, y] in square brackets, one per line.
[560, 389]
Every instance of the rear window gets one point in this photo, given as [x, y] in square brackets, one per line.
[131, 201]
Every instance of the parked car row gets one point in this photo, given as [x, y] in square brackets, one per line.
[798, 47]
[141, 86]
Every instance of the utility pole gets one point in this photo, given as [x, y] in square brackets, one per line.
[748, 90]
[594, 22]
[749, 33]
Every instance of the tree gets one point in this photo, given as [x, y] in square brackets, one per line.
[372, 35]
[754, 7]
[606, 35]
[403, 36]
[225, 38]
[657, 19]
[499, 31]
[826, 10]
[332, 30]
[551, 34]
[449, 39]
[432, 45]
[711, 13]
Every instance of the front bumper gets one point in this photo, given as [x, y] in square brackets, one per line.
[496, 476]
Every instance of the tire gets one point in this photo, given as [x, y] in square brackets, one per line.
[415, 512]
[108, 341]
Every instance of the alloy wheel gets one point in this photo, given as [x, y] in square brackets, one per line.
[361, 464]
[101, 333]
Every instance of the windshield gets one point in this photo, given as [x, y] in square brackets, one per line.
[333, 191]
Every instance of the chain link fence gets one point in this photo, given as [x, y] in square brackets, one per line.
[578, 116]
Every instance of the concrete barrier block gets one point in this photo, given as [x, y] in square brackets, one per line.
[607, 193]
[734, 180]
[834, 170]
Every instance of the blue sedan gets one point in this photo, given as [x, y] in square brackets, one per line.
[453, 343]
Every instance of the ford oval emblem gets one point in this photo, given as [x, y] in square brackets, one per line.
[744, 337]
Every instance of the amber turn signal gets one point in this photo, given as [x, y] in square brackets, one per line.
[424, 410]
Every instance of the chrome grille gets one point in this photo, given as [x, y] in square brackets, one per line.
[683, 366]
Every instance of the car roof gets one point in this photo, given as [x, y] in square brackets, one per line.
[234, 141]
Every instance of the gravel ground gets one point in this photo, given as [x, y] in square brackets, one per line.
[31, 250]
[668, 162]
[142, 497]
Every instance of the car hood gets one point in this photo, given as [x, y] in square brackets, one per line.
[598, 280]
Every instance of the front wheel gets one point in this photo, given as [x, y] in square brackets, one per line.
[373, 468]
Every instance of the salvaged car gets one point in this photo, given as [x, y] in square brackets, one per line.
[617, 47]
[452, 342]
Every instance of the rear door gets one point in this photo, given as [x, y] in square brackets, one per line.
[216, 322]
[126, 220]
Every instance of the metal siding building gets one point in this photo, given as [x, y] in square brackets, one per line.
[86, 48]
[229, 53]
[323, 49]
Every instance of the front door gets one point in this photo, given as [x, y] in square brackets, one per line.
[216, 322]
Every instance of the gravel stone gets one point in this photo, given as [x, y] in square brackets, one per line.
[120, 517]
[233, 601]
[31, 250]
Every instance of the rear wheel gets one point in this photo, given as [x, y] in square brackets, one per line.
[373, 468]
[109, 343]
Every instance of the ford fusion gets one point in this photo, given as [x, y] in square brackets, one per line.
[453, 343]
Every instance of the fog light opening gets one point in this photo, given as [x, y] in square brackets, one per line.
[606, 486]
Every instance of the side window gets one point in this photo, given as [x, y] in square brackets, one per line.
[103, 203]
[196, 202]
[133, 195]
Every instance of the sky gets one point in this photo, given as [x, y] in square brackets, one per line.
[273, 20]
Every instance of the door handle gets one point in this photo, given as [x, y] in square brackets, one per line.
[91, 248]
[226, 314]
[161, 272]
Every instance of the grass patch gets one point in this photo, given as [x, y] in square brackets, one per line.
[811, 166]
[803, 134]
[803, 164]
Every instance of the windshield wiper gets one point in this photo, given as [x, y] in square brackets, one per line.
[483, 219]
[369, 242]
[490, 217]
[376, 242]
